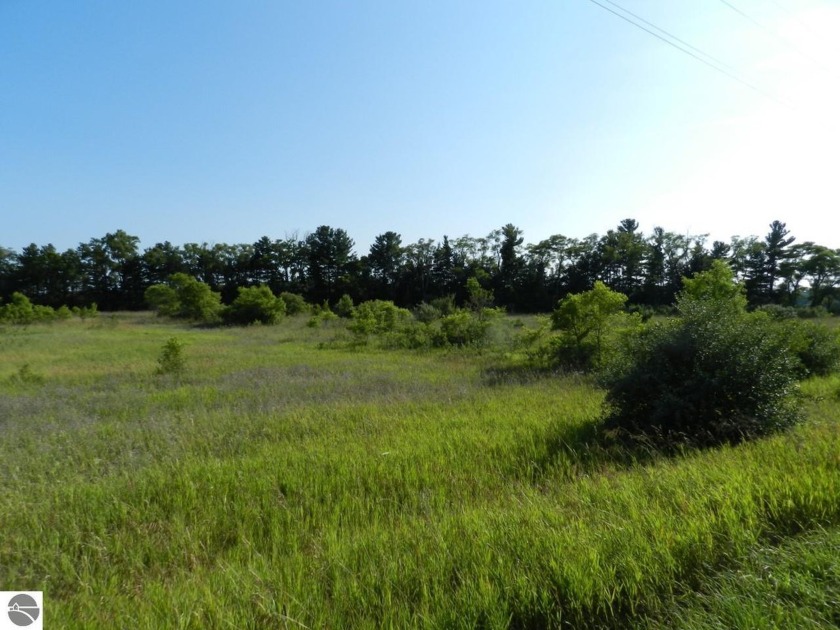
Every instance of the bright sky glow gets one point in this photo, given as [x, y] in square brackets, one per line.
[223, 122]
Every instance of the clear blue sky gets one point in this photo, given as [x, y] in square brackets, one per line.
[226, 121]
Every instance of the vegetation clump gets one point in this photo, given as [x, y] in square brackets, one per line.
[185, 297]
[587, 323]
[21, 311]
[378, 317]
[171, 359]
[27, 376]
[463, 328]
[344, 308]
[295, 304]
[321, 315]
[714, 374]
[816, 347]
[255, 305]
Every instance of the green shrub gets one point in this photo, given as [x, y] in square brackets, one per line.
[812, 312]
[186, 298]
[321, 315]
[62, 312]
[414, 336]
[586, 321]
[27, 376]
[163, 299]
[644, 311]
[377, 317]
[815, 346]
[43, 313]
[777, 311]
[463, 328]
[295, 303]
[344, 307]
[171, 359]
[478, 298]
[86, 312]
[255, 305]
[445, 305]
[19, 310]
[426, 313]
[714, 374]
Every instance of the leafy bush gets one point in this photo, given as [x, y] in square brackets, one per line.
[294, 303]
[186, 298]
[815, 346]
[812, 312]
[714, 374]
[255, 304]
[378, 316]
[463, 328]
[321, 315]
[445, 305]
[163, 299]
[344, 307]
[426, 313]
[777, 311]
[19, 310]
[86, 312]
[478, 298]
[171, 359]
[414, 336]
[585, 320]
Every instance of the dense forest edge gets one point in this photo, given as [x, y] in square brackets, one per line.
[113, 273]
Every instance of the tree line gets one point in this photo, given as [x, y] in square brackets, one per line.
[113, 272]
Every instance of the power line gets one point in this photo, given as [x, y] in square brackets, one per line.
[714, 66]
[776, 35]
[674, 37]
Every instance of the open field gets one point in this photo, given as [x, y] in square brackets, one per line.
[287, 482]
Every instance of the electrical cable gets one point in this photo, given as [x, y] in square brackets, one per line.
[714, 66]
[775, 35]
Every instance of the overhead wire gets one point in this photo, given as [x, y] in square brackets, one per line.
[780, 38]
[672, 36]
[718, 66]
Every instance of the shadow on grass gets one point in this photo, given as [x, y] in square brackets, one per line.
[587, 448]
[497, 376]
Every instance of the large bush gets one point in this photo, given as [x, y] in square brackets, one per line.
[255, 304]
[295, 303]
[589, 324]
[815, 345]
[714, 374]
[185, 297]
[464, 328]
[377, 317]
[20, 310]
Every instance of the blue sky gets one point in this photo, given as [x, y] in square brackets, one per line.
[226, 121]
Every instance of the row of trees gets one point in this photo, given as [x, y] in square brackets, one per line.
[113, 272]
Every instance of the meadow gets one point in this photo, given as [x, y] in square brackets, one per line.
[288, 480]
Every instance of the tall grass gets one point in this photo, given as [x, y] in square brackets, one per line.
[281, 481]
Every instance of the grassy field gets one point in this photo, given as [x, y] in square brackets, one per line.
[286, 481]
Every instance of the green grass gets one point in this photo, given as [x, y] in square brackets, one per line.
[792, 584]
[285, 481]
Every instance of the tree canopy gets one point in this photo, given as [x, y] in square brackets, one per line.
[115, 273]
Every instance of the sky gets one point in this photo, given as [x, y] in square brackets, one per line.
[223, 122]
